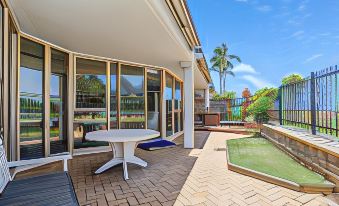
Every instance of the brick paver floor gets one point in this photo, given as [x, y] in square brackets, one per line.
[157, 184]
[210, 183]
[181, 177]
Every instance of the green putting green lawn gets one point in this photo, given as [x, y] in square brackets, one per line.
[257, 153]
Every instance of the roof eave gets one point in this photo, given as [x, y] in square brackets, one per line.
[182, 15]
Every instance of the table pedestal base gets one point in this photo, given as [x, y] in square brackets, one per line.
[123, 152]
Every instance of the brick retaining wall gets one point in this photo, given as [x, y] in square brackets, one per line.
[321, 159]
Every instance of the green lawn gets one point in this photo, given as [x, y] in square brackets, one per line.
[258, 154]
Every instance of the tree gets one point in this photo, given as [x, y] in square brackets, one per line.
[259, 109]
[292, 78]
[221, 63]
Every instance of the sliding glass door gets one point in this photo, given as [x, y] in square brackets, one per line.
[174, 104]
[153, 99]
[132, 101]
[169, 104]
[34, 97]
[31, 99]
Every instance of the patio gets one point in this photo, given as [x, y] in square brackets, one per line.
[178, 176]
[157, 184]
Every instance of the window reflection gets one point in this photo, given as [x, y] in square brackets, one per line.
[90, 84]
[58, 92]
[90, 111]
[132, 103]
[153, 99]
[88, 121]
[31, 101]
[169, 104]
[113, 100]
[177, 105]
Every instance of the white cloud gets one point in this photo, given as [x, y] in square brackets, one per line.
[257, 82]
[302, 5]
[297, 34]
[313, 57]
[325, 34]
[244, 68]
[264, 8]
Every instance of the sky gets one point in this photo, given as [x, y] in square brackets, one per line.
[273, 38]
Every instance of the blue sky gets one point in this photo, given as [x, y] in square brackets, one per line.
[274, 38]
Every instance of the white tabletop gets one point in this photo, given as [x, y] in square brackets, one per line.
[122, 135]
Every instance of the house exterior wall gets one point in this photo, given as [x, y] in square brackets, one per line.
[42, 123]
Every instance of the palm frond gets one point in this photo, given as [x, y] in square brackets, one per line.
[229, 72]
[232, 56]
[214, 69]
[230, 65]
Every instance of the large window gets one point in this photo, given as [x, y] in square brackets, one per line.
[31, 99]
[169, 104]
[153, 99]
[90, 111]
[132, 102]
[90, 84]
[113, 99]
[58, 99]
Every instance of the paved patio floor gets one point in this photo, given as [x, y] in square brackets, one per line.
[210, 183]
[157, 184]
[178, 176]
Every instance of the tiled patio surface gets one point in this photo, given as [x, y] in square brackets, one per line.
[181, 177]
[210, 183]
[157, 184]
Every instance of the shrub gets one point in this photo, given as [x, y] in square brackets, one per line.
[224, 96]
[259, 109]
[267, 92]
[292, 78]
[249, 118]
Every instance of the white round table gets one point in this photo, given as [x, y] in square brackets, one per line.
[123, 142]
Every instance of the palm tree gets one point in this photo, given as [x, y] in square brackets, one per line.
[221, 63]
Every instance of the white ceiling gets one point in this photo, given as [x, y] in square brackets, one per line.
[142, 31]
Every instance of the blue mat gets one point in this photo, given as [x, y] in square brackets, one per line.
[156, 144]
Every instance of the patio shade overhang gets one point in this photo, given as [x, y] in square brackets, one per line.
[145, 31]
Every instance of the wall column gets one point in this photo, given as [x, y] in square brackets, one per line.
[207, 99]
[163, 106]
[188, 104]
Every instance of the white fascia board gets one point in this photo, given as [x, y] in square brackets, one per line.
[165, 17]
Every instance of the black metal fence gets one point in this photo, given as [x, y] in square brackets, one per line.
[312, 103]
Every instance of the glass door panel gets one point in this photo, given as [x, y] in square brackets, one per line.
[177, 107]
[31, 99]
[132, 102]
[58, 95]
[113, 100]
[169, 104]
[153, 99]
[90, 111]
